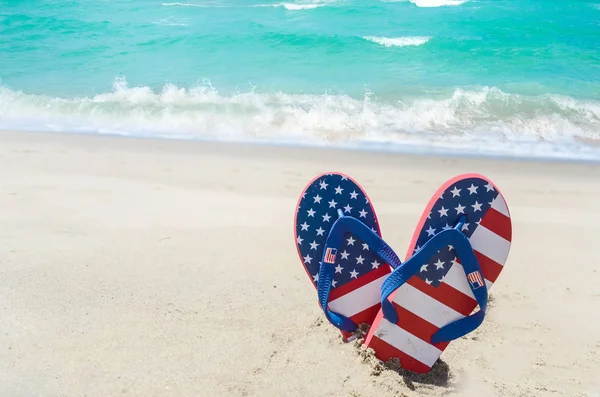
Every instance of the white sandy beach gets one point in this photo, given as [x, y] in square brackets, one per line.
[138, 267]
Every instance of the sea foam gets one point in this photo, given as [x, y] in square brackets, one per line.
[479, 120]
[398, 41]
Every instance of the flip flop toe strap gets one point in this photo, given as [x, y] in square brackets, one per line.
[341, 226]
[464, 251]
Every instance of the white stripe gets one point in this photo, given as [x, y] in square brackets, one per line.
[500, 205]
[457, 279]
[490, 244]
[424, 306]
[358, 300]
[407, 343]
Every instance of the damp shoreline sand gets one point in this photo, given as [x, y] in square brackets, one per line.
[139, 267]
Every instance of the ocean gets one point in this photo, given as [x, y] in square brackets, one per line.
[490, 77]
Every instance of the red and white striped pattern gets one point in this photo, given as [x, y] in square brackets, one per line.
[423, 309]
[360, 299]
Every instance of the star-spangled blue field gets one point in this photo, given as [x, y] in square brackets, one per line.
[453, 76]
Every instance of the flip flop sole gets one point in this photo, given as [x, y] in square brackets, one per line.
[359, 272]
[440, 293]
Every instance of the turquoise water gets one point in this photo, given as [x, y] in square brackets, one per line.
[490, 76]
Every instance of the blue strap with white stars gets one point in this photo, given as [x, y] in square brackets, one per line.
[464, 251]
[341, 226]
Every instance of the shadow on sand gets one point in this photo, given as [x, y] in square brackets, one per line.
[438, 376]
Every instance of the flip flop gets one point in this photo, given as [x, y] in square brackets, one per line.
[458, 250]
[339, 243]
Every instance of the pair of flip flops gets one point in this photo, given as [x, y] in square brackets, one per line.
[417, 307]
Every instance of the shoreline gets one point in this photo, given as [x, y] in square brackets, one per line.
[393, 149]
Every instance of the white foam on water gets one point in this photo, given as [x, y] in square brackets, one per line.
[485, 120]
[398, 41]
[296, 7]
[437, 3]
[290, 6]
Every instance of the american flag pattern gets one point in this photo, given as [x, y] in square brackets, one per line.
[359, 272]
[440, 293]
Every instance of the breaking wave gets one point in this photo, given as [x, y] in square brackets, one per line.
[481, 120]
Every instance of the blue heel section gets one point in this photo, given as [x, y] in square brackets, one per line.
[464, 251]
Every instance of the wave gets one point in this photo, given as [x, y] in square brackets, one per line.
[189, 5]
[398, 41]
[478, 120]
[288, 6]
[437, 3]
[296, 7]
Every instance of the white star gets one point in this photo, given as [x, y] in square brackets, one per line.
[326, 218]
[338, 269]
[465, 227]
[375, 264]
[363, 213]
[304, 226]
[443, 212]
[345, 254]
[428, 281]
[316, 277]
[307, 258]
[338, 190]
[311, 212]
[344, 178]
[320, 231]
[333, 283]
[299, 239]
[317, 199]
[430, 231]
[460, 209]
[332, 203]
[350, 241]
[323, 185]
[424, 268]
[366, 200]
[347, 208]
[360, 260]
[447, 227]
[439, 264]
[442, 279]
[353, 195]
[472, 189]
[314, 245]
[365, 246]
[476, 207]
[489, 187]
[455, 192]
[353, 274]
[418, 247]
[429, 216]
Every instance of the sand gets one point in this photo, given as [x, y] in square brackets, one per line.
[139, 267]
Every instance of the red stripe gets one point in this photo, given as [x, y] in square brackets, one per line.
[498, 223]
[384, 351]
[342, 290]
[445, 294]
[489, 267]
[417, 326]
[366, 316]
